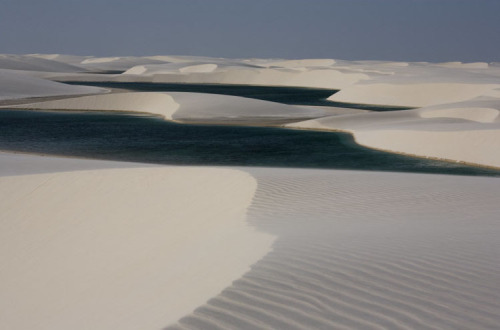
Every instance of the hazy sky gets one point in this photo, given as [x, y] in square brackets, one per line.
[412, 30]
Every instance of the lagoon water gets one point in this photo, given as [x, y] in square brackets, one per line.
[150, 139]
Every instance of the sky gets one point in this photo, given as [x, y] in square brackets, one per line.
[406, 30]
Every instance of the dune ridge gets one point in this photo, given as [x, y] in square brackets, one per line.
[155, 103]
[184, 107]
[467, 131]
[17, 85]
[123, 247]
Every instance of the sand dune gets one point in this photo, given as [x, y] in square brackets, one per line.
[14, 85]
[419, 84]
[184, 107]
[367, 251]
[155, 103]
[115, 63]
[352, 249]
[320, 78]
[122, 248]
[30, 63]
[463, 131]
[412, 95]
[319, 73]
[302, 63]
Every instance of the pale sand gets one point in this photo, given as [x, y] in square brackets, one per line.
[465, 131]
[140, 248]
[184, 106]
[119, 248]
[14, 85]
[412, 95]
[367, 250]
[160, 104]
[30, 63]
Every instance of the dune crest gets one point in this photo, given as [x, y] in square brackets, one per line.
[123, 248]
[16, 85]
[181, 106]
[149, 102]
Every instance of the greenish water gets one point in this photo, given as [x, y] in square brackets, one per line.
[153, 140]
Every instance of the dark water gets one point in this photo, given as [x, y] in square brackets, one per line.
[153, 140]
[287, 95]
[372, 107]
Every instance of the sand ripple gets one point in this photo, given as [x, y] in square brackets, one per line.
[367, 251]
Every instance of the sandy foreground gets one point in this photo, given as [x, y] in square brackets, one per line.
[103, 245]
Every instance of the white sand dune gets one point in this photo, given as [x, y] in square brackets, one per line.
[219, 108]
[320, 73]
[466, 132]
[155, 103]
[361, 250]
[116, 63]
[183, 106]
[14, 85]
[244, 75]
[302, 63]
[62, 58]
[119, 248]
[419, 84]
[412, 95]
[30, 63]
[141, 247]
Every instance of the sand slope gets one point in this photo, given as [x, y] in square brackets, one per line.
[465, 131]
[155, 103]
[142, 247]
[15, 85]
[31, 63]
[184, 107]
[123, 248]
[361, 250]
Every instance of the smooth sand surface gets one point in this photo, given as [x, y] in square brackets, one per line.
[120, 248]
[15, 85]
[412, 95]
[184, 106]
[30, 63]
[160, 104]
[464, 131]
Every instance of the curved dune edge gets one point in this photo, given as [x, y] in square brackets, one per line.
[19, 85]
[467, 132]
[127, 248]
[179, 106]
[411, 95]
[148, 102]
[367, 250]
[481, 115]
[472, 147]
